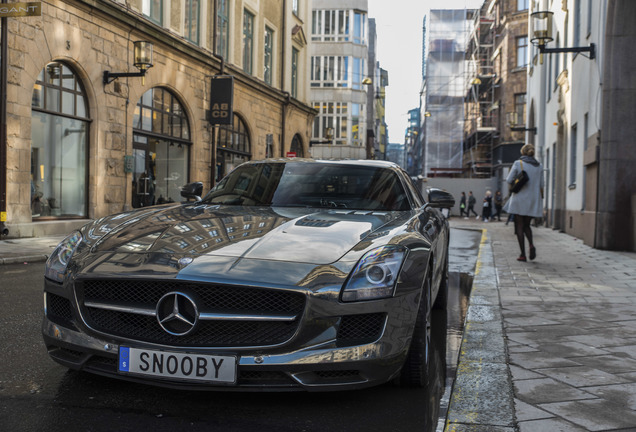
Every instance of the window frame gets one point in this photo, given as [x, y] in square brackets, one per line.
[268, 55]
[190, 5]
[222, 28]
[248, 41]
[521, 51]
[294, 71]
[153, 10]
[40, 106]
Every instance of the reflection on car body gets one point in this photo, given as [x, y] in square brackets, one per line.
[288, 275]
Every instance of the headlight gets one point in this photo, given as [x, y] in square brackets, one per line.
[375, 275]
[61, 256]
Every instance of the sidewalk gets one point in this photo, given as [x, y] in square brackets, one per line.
[15, 251]
[549, 344]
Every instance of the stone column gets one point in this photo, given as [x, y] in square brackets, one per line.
[617, 159]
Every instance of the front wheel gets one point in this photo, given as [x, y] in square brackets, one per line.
[415, 369]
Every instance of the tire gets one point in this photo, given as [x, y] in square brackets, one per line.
[415, 371]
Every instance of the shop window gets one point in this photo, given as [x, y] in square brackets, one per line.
[59, 137]
[233, 147]
[161, 148]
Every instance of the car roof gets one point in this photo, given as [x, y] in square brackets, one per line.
[346, 162]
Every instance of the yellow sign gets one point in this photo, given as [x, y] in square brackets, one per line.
[3, 216]
[20, 9]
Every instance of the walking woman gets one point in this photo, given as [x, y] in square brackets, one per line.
[528, 202]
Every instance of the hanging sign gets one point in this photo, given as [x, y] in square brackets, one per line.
[221, 100]
[20, 9]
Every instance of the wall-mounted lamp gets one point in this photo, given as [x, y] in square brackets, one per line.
[367, 81]
[542, 34]
[513, 118]
[142, 61]
[427, 114]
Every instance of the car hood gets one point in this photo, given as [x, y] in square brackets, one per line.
[280, 234]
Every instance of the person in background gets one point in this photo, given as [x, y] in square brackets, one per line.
[487, 207]
[471, 205]
[462, 206]
[528, 202]
[498, 200]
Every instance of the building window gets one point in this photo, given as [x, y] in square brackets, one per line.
[294, 72]
[222, 28]
[586, 131]
[59, 143]
[577, 23]
[358, 72]
[269, 55]
[522, 51]
[359, 27]
[589, 17]
[330, 71]
[233, 147]
[557, 64]
[520, 107]
[330, 25]
[248, 41]
[191, 25]
[573, 150]
[522, 5]
[161, 148]
[339, 123]
[153, 10]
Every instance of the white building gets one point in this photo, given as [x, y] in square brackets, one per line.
[565, 105]
[583, 103]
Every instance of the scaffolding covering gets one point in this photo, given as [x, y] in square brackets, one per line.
[448, 33]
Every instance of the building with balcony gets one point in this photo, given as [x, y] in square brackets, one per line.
[339, 78]
[80, 144]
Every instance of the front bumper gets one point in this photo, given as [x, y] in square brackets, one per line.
[317, 368]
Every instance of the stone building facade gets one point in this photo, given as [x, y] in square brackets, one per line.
[80, 148]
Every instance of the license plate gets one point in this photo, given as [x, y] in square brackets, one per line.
[180, 366]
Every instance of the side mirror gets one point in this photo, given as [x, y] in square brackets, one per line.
[192, 191]
[439, 198]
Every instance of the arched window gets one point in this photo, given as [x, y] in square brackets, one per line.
[233, 147]
[297, 146]
[59, 143]
[161, 148]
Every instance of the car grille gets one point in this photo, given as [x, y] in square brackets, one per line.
[364, 328]
[123, 297]
[59, 310]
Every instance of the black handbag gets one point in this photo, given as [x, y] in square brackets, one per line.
[520, 180]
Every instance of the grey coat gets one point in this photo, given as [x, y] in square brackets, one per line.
[528, 201]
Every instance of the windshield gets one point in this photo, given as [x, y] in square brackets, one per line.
[311, 185]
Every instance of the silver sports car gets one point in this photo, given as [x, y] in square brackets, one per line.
[288, 275]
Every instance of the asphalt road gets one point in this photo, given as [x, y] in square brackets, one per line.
[37, 394]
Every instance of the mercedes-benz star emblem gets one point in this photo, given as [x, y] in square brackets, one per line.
[177, 313]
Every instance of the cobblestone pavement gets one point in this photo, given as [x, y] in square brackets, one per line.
[568, 341]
